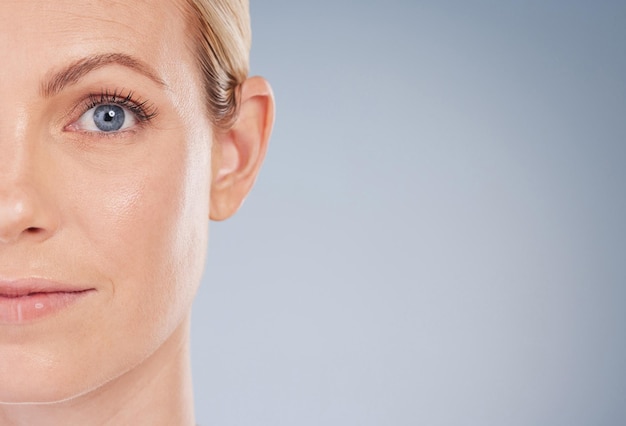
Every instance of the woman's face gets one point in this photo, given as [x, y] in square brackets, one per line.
[104, 190]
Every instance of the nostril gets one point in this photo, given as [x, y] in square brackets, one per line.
[32, 233]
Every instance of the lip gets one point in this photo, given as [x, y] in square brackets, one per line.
[26, 300]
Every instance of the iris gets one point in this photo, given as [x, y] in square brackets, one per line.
[109, 118]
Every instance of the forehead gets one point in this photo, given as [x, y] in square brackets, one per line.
[43, 33]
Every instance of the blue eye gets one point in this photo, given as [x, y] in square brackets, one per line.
[106, 118]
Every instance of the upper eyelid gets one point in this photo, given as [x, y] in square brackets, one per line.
[143, 109]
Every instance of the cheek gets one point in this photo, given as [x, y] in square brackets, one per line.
[144, 222]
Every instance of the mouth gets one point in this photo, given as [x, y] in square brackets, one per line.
[17, 294]
[27, 300]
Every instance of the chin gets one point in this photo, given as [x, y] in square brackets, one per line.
[35, 392]
[20, 387]
[31, 378]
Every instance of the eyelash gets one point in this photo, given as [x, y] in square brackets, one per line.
[142, 109]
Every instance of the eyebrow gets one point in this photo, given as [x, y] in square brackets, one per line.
[72, 73]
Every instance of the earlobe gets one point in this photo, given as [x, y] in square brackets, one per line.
[239, 151]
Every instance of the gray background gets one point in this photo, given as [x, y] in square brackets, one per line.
[437, 236]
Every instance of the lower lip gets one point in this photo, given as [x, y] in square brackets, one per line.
[24, 309]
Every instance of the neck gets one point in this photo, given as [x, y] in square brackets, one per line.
[156, 392]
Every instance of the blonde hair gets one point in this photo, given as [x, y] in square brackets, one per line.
[221, 38]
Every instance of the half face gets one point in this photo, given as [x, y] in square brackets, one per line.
[104, 190]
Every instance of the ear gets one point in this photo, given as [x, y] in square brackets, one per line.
[239, 152]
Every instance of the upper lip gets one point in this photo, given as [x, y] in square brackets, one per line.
[28, 286]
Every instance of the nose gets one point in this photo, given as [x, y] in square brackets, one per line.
[19, 218]
[27, 180]
[24, 214]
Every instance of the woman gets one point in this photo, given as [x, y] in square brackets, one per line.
[124, 127]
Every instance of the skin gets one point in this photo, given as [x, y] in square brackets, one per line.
[124, 214]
